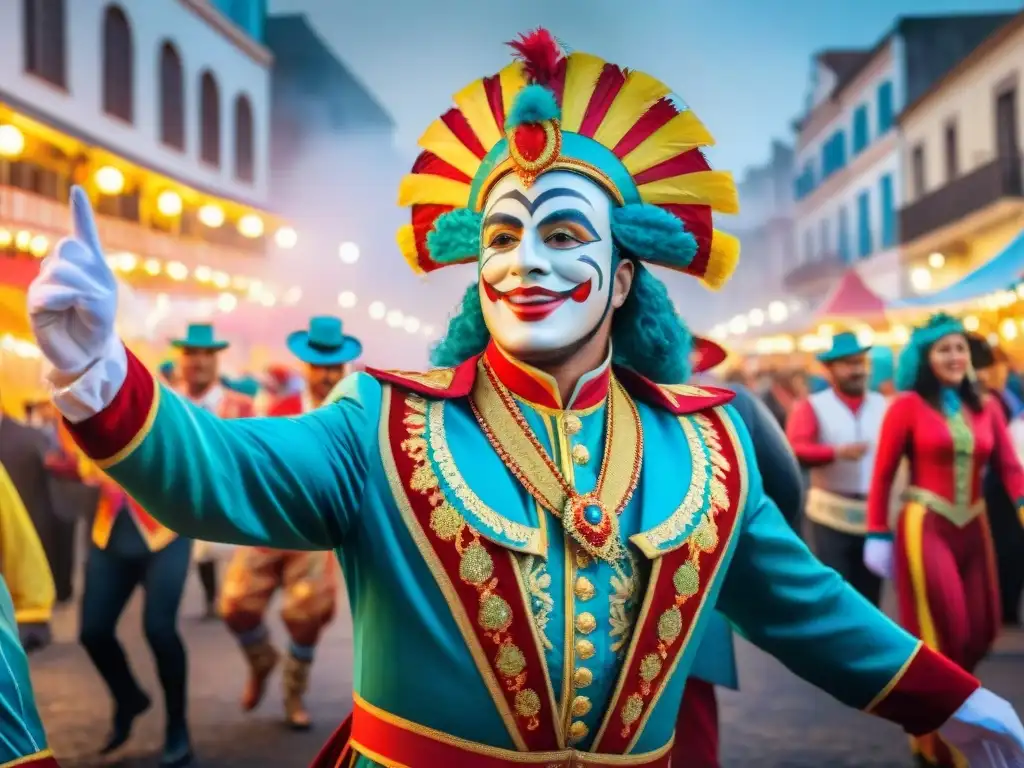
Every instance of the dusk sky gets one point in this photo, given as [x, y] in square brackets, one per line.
[742, 65]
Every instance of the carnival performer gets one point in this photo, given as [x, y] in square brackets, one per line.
[942, 561]
[532, 538]
[22, 737]
[129, 549]
[307, 579]
[697, 727]
[25, 569]
[834, 434]
[200, 383]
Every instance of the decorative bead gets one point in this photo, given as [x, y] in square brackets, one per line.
[650, 666]
[446, 522]
[686, 580]
[593, 514]
[586, 623]
[580, 706]
[582, 677]
[572, 425]
[583, 588]
[580, 454]
[585, 649]
[583, 559]
[670, 625]
[578, 731]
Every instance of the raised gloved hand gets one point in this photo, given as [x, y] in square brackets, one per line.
[73, 302]
[878, 557]
[987, 731]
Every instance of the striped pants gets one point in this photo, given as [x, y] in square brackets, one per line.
[948, 596]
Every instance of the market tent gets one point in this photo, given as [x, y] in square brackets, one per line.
[999, 274]
[851, 300]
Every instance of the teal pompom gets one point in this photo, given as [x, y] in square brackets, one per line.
[534, 104]
[654, 235]
[455, 238]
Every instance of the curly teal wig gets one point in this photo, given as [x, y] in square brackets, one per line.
[913, 355]
[648, 335]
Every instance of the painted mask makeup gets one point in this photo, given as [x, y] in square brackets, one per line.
[545, 262]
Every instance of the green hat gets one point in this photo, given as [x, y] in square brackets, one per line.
[199, 336]
[324, 343]
[844, 344]
[938, 326]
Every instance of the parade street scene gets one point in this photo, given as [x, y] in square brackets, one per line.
[544, 385]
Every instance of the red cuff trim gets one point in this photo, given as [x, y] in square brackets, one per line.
[110, 435]
[925, 693]
[44, 759]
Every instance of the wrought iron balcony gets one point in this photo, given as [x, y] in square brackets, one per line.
[999, 179]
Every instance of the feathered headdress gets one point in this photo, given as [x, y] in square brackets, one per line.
[938, 326]
[548, 111]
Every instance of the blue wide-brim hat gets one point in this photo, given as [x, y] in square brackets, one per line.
[244, 385]
[199, 336]
[324, 343]
[844, 344]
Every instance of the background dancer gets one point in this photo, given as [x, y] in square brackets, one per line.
[200, 383]
[308, 579]
[834, 434]
[942, 561]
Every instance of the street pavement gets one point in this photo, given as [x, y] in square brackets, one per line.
[775, 721]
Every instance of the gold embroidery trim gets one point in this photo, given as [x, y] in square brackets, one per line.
[963, 458]
[621, 615]
[438, 378]
[706, 471]
[535, 575]
[522, 537]
[959, 516]
[703, 541]
[447, 523]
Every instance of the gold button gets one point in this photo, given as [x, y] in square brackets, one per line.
[578, 731]
[584, 589]
[582, 677]
[580, 706]
[586, 623]
[572, 425]
[585, 649]
[580, 454]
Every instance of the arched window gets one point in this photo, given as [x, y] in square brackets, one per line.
[245, 160]
[209, 108]
[118, 66]
[44, 40]
[172, 97]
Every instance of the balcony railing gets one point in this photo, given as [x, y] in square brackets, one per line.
[20, 210]
[965, 195]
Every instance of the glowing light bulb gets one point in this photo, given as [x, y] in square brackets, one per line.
[293, 295]
[211, 216]
[778, 311]
[921, 279]
[203, 274]
[23, 240]
[152, 267]
[220, 279]
[169, 203]
[346, 299]
[177, 271]
[109, 180]
[39, 245]
[377, 310]
[286, 237]
[348, 252]
[395, 318]
[411, 324]
[936, 260]
[6, 238]
[971, 323]
[250, 226]
[12, 141]
[226, 302]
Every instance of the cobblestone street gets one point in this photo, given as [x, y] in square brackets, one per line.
[776, 721]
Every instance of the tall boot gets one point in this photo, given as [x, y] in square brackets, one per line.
[262, 658]
[296, 681]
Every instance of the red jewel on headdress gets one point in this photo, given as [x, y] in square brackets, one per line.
[534, 147]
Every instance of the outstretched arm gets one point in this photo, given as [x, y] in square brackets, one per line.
[288, 483]
[803, 613]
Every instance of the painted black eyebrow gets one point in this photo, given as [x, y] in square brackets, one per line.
[576, 217]
[543, 197]
[502, 218]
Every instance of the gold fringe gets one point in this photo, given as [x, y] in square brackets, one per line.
[472, 102]
[680, 134]
[714, 188]
[581, 73]
[635, 97]
[440, 140]
[722, 261]
[427, 189]
[406, 238]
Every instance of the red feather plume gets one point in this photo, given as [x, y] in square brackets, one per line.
[540, 54]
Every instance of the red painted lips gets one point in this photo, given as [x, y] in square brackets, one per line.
[533, 303]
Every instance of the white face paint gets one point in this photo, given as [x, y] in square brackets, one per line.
[545, 262]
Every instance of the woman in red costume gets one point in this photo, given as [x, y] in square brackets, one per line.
[942, 558]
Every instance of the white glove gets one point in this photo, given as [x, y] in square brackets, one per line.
[73, 302]
[987, 731]
[878, 557]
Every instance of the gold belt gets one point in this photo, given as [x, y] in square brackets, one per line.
[836, 511]
[958, 514]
